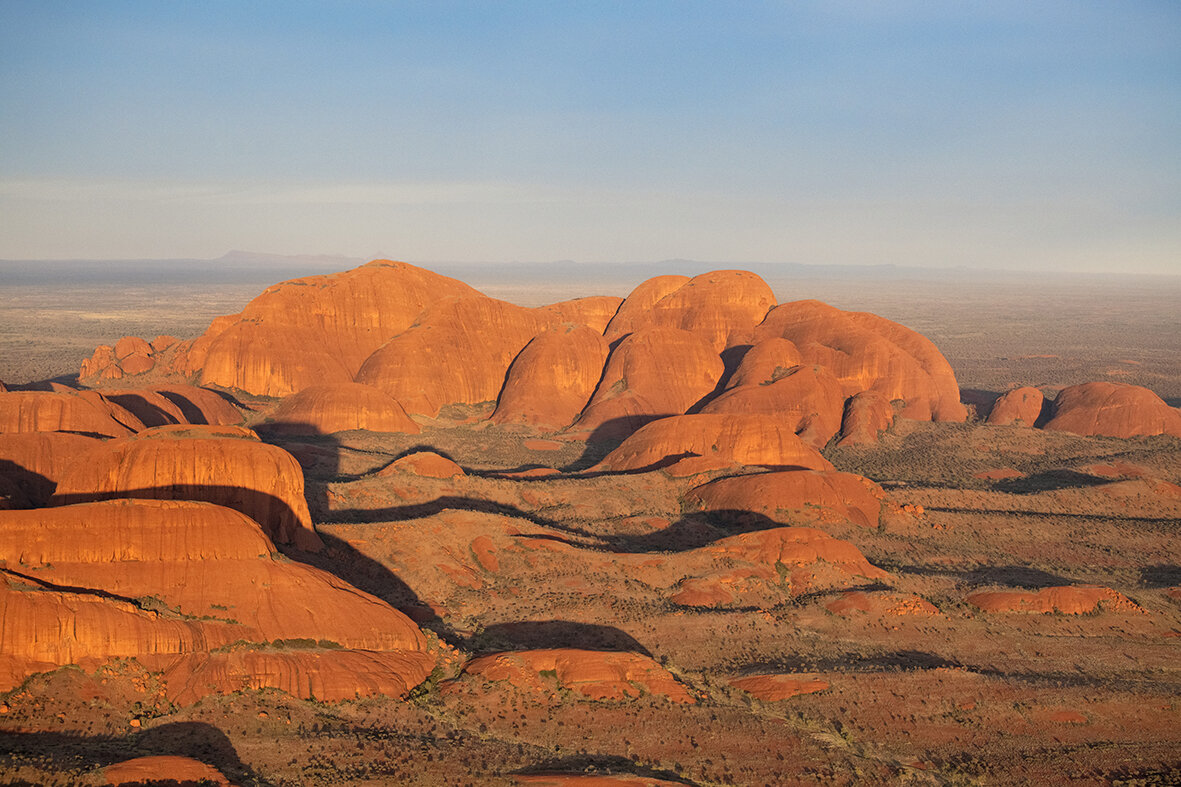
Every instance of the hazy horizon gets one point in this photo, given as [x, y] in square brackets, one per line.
[1004, 136]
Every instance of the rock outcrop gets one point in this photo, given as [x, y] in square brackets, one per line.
[867, 352]
[226, 465]
[36, 461]
[652, 373]
[314, 330]
[808, 399]
[598, 675]
[775, 687]
[203, 565]
[1018, 407]
[458, 352]
[714, 306]
[163, 768]
[1113, 410]
[867, 415]
[552, 379]
[712, 442]
[339, 407]
[795, 495]
[1066, 599]
[43, 411]
[595, 311]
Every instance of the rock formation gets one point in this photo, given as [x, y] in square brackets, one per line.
[714, 306]
[1018, 407]
[339, 407]
[867, 352]
[552, 379]
[1067, 599]
[808, 399]
[652, 373]
[1112, 410]
[599, 675]
[595, 311]
[807, 495]
[867, 415]
[205, 565]
[426, 464]
[765, 362]
[201, 405]
[714, 441]
[225, 465]
[779, 686]
[315, 330]
[458, 352]
[43, 411]
[36, 461]
[163, 768]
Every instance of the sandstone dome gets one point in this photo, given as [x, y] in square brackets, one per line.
[552, 379]
[808, 495]
[224, 465]
[867, 415]
[43, 411]
[1113, 410]
[339, 407]
[1018, 407]
[808, 399]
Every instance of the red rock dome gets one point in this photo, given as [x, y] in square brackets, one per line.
[552, 379]
[339, 407]
[1113, 410]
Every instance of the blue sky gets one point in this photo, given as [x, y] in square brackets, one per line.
[1030, 136]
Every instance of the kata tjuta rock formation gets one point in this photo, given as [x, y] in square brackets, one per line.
[715, 343]
[652, 373]
[552, 379]
[226, 465]
[44, 411]
[129, 356]
[314, 330]
[807, 495]
[1113, 410]
[457, 352]
[339, 407]
[1018, 407]
[73, 574]
[686, 444]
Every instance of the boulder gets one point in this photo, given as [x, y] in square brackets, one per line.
[552, 379]
[43, 411]
[458, 352]
[219, 464]
[720, 440]
[652, 373]
[867, 352]
[867, 415]
[1018, 407]
[339, 407]
[315, 330]
[792, 495]
[1112, 410]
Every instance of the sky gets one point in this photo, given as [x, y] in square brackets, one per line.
[1011, 135]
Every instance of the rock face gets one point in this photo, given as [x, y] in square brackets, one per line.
[714, 441]
[652, 373]
[808, 495]
[552, 379]
[594, 312]
[599, 675]
[458, 352]
[35, 461]
[224, 465]
[867, 415]
[765, 362]
[339, 407]
[867, 352]
[206, 563]
[808, 399]
[315, 330]
[42, 411]
[713, 306]
[1019, 407]
[1113, 410]
[1068, 600]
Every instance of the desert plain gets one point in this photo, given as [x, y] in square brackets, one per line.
[556, 526]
